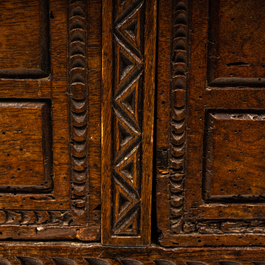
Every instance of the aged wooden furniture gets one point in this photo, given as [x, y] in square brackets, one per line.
[132, 132]
[45, 103]
[210, 165]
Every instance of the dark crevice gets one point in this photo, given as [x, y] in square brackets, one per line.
[238, 64]
[154, 228]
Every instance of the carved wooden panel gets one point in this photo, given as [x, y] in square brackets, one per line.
[234, 155]
[78, 84]
[26, 135]
[210, 165]
[235, 53]
[50, 185]
[28, 53]
[128, 109]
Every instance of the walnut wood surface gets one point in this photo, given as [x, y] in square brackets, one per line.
[128, 70]
[92, 92]
[27, 147]
[172, 114]
[210, 187]
[50, 149]
[24, 39]
[76, 253]
[232, 58]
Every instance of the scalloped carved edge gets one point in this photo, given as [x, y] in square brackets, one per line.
[16, 217]
[28, 260]
[179, 73]
[78, 112]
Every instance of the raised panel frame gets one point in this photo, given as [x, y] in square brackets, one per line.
[214, 50]
[185, 217]
[44, 49]
[233, 173]
[45, 184]
[71, 210]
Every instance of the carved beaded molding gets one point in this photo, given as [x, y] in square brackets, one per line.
[78, 93]
[179, 75]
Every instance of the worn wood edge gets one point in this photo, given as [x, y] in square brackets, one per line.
[94, 66]
[148, 121]
[94, 246]
[106, 121]
[49, 233]
[163, 99]
[78, 253]
[216, 240]
[30, 88]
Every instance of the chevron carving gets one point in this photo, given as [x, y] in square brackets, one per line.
[127, 120]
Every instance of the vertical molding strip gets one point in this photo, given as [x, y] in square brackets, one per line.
[129, 49]
[179, 73]
[78, 113]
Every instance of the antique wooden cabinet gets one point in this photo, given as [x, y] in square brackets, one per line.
[132, 132]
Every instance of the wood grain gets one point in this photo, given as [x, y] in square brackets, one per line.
[229, 176]
[94, 63]
[210, 193]
[82, 94]
[26, 147]
[171, 159]
[73, 254]
[127, 129]
[26, 55]
[42, 200]
[235, 40]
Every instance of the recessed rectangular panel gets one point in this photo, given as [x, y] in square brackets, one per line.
[235, 48]
[24, 43]
[25, 140]
[235, 160]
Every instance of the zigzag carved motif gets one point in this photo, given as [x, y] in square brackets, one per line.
[178, 112]
[128, 134]
[78, 93]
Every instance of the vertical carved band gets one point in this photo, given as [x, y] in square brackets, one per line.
[179, 70]
[78, 93]
[127, 110]
[127, 120]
